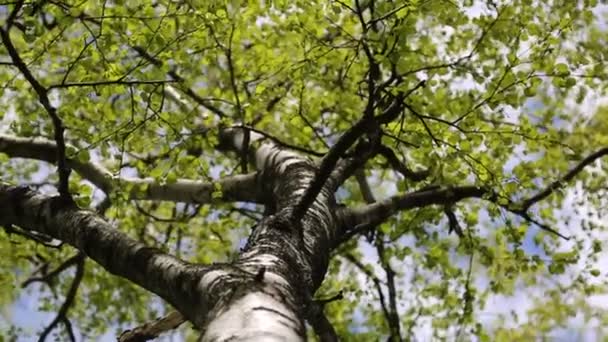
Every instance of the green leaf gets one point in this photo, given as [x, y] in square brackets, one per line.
[562, 69]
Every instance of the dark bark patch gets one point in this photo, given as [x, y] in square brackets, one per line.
[60, 203]
[259, 277]
[17, 194]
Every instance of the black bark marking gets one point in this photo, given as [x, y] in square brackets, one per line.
[259, 277]
[17, 194]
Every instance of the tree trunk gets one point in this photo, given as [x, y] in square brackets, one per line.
[265, 294]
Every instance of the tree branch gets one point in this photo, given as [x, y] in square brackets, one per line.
[399, 166]
[392, 315]
[393, 319]
[108, 83]
[42, 239]
[566, 178]
[371, 215]
[360, 220]
[234, 188]
[328, 163]
[365, 150]
[170, 278]
[454, 226]
[49, 276]
[377, 283]
[364, 187]
[319, 322]
[281, 143]
[13, 15]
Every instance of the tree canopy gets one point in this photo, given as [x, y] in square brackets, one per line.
[463, 140]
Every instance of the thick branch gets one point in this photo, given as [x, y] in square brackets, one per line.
[328, 164]
[235, 188]
[355, 162]
[44, 150]
[373, 214]
[362, 219]
[150, 268]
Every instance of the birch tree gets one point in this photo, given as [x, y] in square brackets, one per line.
[292, 170]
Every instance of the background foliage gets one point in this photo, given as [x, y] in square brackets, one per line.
[510, 101]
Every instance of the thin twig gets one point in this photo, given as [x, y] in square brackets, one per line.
[69, 299]
[49, 276]
[566, 178]
[107, 83]
[42, 92]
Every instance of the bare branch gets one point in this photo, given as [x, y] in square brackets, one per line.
[389, 13]
[398, 104]
[68, 327]
[328, 164]
[391, 313]
[281, 143]
[42, 149]
[366, 191]
[13, 15]
[362, 219]
[467, 297]
[454, 226]
[42, 239]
